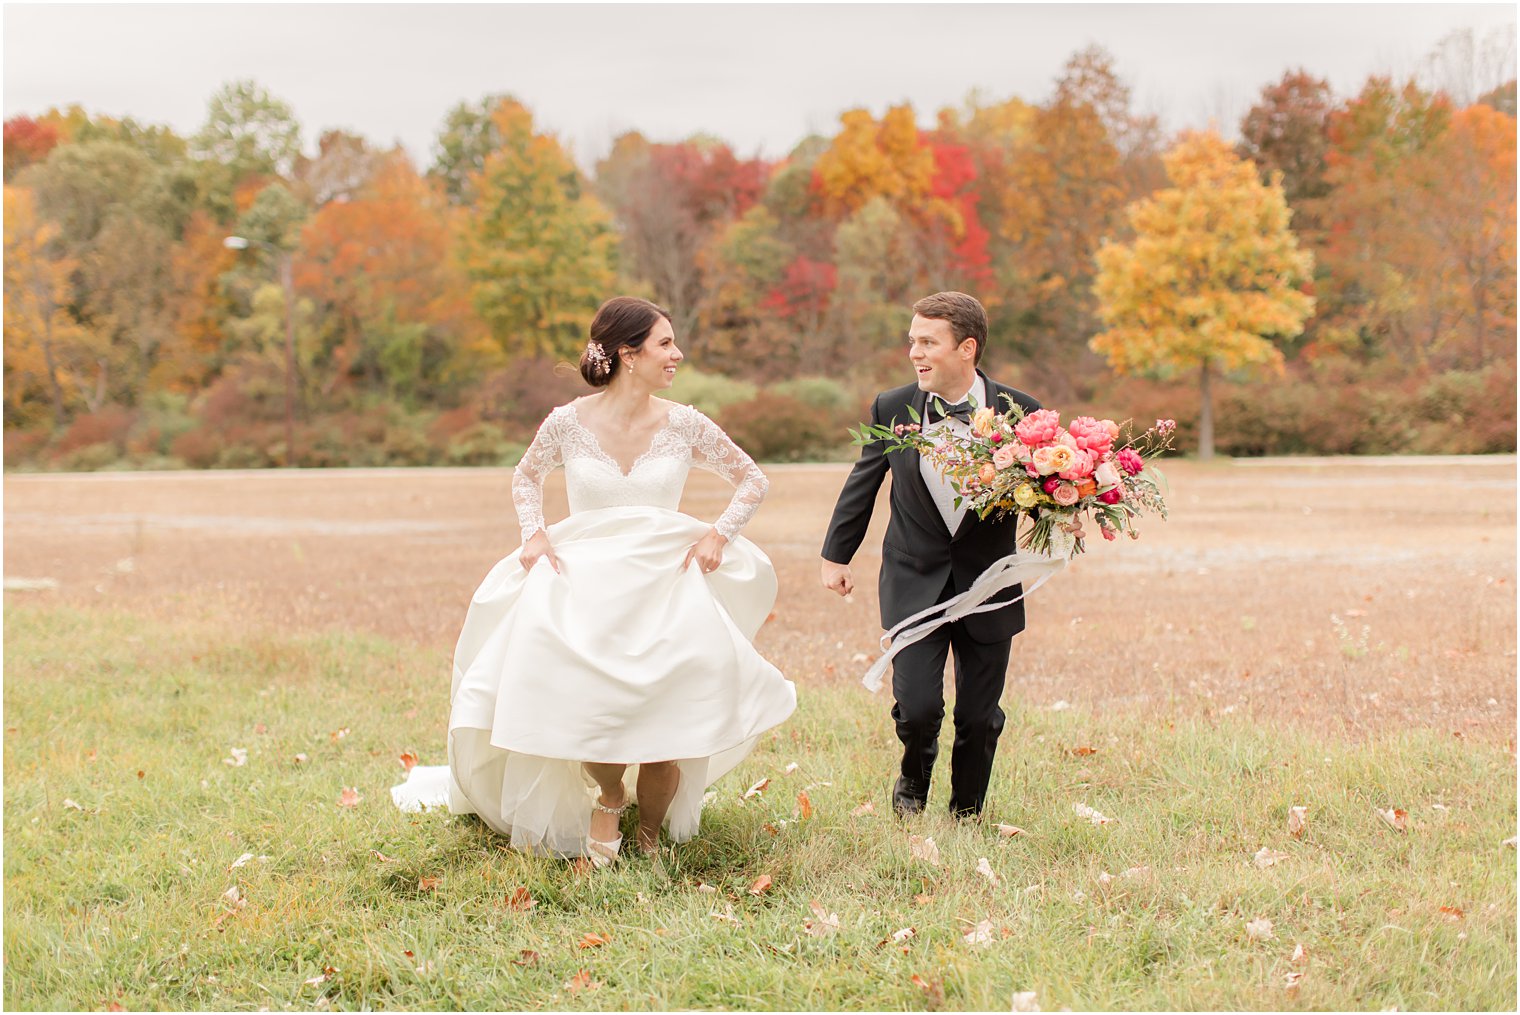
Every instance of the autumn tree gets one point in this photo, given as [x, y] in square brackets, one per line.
[538, 248]
[27, 141]
[249, 131]
[1211, 277]
[469, 135]
[48, 356]
[1286, 132]
[379, 267]
[1377, 294]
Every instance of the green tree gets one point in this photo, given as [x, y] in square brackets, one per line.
[539, 249]
[249, 131]
[1211, 277]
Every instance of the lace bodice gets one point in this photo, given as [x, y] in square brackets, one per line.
[593, 480]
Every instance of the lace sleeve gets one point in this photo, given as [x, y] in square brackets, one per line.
[712, 450]
[543, 455]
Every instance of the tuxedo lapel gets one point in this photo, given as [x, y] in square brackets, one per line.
[912, 463]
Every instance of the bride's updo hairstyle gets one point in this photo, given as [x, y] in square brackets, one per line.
[622, 322]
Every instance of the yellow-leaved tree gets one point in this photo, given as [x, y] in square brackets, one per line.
[1213, 275]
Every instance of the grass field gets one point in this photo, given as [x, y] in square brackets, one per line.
[223, 656]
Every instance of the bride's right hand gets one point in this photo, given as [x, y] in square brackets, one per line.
[538, 547]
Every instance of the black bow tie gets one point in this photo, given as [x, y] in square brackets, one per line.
[938, 410]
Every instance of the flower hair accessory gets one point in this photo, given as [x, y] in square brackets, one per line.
[598, 357]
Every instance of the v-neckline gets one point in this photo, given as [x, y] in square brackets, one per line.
[596, 442]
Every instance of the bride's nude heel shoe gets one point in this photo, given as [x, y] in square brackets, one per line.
[604, 854]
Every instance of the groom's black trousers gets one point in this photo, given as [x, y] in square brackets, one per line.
[918, 684]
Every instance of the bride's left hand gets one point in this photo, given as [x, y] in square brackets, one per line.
[707, 552]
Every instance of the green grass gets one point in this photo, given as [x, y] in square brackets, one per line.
[123, 901]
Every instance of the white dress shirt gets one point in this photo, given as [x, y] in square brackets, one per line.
[939, 487]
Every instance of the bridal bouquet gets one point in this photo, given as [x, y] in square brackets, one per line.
[1013, 463]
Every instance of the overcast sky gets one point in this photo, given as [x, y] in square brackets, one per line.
[759, 76]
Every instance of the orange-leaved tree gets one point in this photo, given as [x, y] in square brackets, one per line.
[1211, 277]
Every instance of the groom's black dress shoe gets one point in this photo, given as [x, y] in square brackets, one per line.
[905, 801]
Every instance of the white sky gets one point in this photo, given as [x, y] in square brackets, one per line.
[758, 76]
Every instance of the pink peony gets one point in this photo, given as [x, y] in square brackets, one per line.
[1081, 466]
[1038, 428]
[1066, 495]
[1092, 434]
[1113, 496]
[1130, 461]
[1020, 452]
[1032, 470]
[1004, 458]
[1106, 475]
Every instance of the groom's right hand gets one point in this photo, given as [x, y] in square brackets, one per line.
[837, 578]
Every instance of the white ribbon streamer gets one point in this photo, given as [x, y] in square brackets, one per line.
[1029, 569]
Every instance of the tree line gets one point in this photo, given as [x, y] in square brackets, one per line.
[1363, 241]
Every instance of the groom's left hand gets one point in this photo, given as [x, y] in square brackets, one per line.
[708, 552]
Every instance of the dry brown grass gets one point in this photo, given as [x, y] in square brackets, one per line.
[1226, 608]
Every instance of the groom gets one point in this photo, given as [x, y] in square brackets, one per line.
[932, 551]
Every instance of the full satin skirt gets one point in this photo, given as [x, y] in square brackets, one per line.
[622, 656]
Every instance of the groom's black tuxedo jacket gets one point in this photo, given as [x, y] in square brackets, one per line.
[920, 556]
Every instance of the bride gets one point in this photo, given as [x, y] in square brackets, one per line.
[609, 659]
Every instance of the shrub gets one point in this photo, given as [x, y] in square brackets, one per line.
[817, 393]
[519, 397]
[708, 393]
[24, 446]
[109, 425]
[483, 444]
[774, 427]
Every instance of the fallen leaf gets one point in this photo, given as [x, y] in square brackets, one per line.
[923, 848]
[703, 886]
[791, 767]
[771, 828]
[1298, 820]
[1267, 857]
[1259, 929]
[521, 900]
[1510, 842]
[934, 990]
[428, 884]
[826, 923]
[762, 883]
[923, 898]
[1299, 956]
[1290, 980]
[113, 1006]
[727, 916]
[239, 757]
[804, 805]
[1010, 831]
[234, 896]
[590, 940]
[72, 804]
[864, 809]
[340, 734]
[381, 856]
[982, 934]
[1025, 1000]
[1452, 913]
[240, 861]
[985, 870]
[581, 981]
[1084, 811]
[1082, 752]
[1395, 818]
[408, 760]
[1135, 873]
[349, 797]
[301, 759]
[526, 957]
[756, 789]
[899, 936]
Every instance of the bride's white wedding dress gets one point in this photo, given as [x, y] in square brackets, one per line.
[623, 656]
